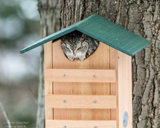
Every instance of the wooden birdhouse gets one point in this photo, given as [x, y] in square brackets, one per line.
[96, 92]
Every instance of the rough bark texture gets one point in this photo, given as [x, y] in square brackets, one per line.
[50, 13]
[143, 18]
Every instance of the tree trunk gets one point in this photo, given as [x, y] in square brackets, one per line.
[143, 18]
[50, 13]
[139, 16]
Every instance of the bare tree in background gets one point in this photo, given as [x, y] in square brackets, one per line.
[5, 116]
[50, 13]
[139, 16]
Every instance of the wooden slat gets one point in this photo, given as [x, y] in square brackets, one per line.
[80, 124]
[81, 101]
[80, 75]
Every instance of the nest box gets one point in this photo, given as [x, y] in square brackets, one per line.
[96, 92]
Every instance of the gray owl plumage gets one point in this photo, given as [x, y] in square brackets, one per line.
[78, 46]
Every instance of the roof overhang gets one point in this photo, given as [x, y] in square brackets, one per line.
[102, 30]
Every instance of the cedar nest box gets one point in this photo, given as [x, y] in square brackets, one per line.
[96, 92]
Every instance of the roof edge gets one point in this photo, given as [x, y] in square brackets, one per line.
[54, 36]
[81, 27]
[103, 41]
[51, 37]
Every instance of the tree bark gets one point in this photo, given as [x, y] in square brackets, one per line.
[50, 13]
[143, 18]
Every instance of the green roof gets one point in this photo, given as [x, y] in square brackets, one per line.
[102, 30]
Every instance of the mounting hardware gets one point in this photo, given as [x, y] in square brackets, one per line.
[65, 126]
[125, 119]
[95, 127]
[94, 76]
[64, 75]
[65, 101]
[95, 101]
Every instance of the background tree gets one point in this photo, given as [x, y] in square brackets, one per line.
[18, 28]
[139, 16]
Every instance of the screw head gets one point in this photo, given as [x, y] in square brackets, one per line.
[95, 127]
[95, 101]
[65, 126]
[64, 75]
[65, 101]
[94, 76]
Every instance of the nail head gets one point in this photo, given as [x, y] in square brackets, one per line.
[94, 76]
[95, 101]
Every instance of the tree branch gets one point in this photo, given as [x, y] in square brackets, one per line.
[5, 116]
[35, 100]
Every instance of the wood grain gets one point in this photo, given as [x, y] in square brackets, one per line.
[114, 86]
[124, 88]
[98, 60]
[81, 101]
[80, 124]
[80, 75]
[48, 85]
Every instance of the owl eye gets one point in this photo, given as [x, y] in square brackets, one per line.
[80, 48]
[67, 48]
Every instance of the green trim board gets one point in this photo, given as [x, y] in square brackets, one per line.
[102, 30]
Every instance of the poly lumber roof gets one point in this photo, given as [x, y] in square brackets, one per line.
[102, 30]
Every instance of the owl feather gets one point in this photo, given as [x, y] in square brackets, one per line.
[78, 46]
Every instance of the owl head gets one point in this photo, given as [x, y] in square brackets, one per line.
[75, 46]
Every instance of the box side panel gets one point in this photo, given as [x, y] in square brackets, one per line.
[48, 85]
[125, 88]
[113, 64]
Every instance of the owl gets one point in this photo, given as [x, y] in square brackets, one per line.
[78, 46]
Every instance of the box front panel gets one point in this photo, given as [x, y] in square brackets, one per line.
[98, 60]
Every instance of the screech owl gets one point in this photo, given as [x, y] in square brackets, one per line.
[78, 46]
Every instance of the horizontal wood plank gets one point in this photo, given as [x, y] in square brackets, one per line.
[80, 124]
[80, 75]
[81, 101]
